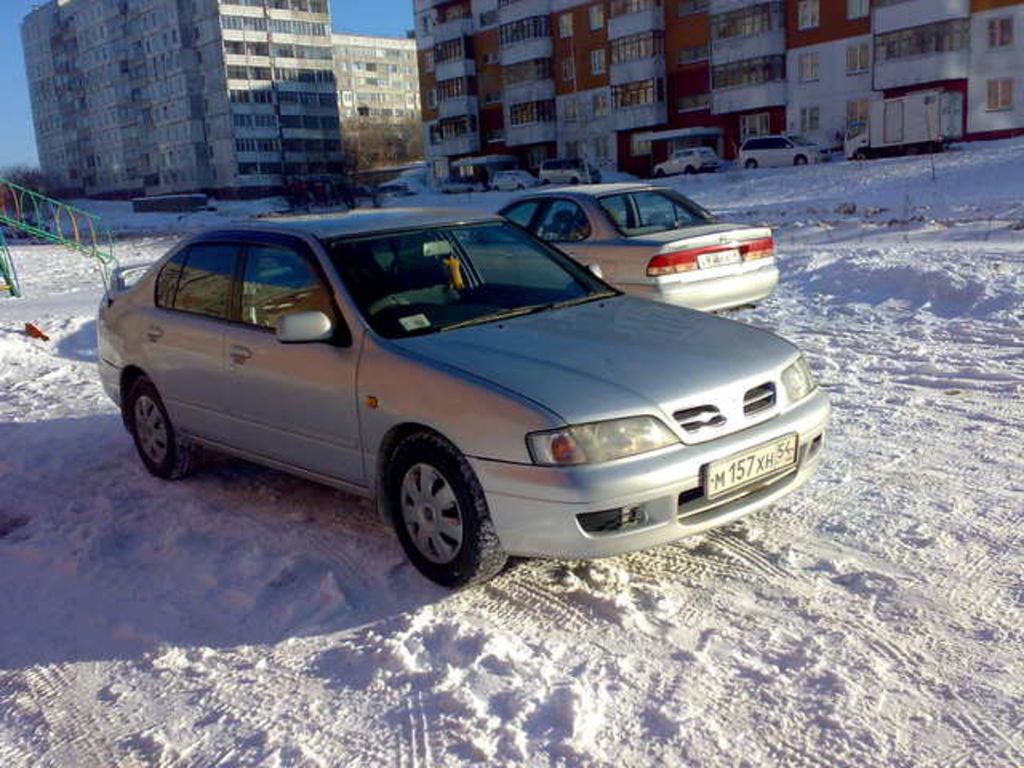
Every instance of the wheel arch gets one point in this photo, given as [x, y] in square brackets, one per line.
[386, 449]
[129, 375]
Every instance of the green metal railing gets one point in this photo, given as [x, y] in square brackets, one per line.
[33, 214]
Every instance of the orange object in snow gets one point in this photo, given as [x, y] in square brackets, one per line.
[33, 331]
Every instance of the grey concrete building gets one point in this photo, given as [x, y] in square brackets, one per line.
[378, 80]
[236, 97]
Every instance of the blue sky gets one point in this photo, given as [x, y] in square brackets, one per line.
[17, 139]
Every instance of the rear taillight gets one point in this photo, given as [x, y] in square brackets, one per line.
[758, 249]
[672, 263]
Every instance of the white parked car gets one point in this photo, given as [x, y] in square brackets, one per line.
[457, 184]
[689, 160]
[571, 171]
[508, 181]
[788, 149]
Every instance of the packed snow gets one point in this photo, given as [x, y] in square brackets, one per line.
[246, 617]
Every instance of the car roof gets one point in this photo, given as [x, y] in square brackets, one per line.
[591, 190]
[362, 222]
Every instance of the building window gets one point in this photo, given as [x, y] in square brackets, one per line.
[638, 93]
[526, 72]
[1000, 32]
[940, 37]
[746, 22]
[810, 64]
[693, 102]
[688, 7]
[600, 145]
[571, 111]
[808, 13]
[1000, 95]
[644, 45]
[597, 62]
[857, 112]
[565, 25]
[518, 31]
[694, 54]
[810, 119]
[599, 104]
[857, 9]
[624, 7]
[857, 59]
[532, 112]
[568, 69]
[596, 14]
[765, 69]
[754, 125]
[639, 147]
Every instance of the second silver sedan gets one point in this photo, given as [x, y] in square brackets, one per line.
[654, 242]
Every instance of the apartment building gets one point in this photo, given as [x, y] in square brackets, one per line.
[235, 97]
[378, 80]
[624, 82]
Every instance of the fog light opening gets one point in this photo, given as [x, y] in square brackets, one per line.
[612, 520]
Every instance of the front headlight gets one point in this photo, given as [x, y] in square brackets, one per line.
[798, 380]
[599, 442]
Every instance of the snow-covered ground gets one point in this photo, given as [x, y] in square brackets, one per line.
[245, 617]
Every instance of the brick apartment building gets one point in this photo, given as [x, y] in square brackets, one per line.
[625, 82]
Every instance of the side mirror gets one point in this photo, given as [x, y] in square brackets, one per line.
[596, 270]
[305, 327]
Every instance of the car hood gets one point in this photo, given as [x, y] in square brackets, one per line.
[610, 358]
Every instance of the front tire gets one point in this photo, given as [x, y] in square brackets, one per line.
[799, 160]
[750, 164]
[163, 452]
[689, 171]
[440, 513]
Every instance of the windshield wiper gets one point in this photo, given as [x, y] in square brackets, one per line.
[583, 299]
[492, 317]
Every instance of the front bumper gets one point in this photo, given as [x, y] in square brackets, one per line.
[536, 510]
[707, 291]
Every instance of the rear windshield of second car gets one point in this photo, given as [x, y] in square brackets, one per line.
[651, 211]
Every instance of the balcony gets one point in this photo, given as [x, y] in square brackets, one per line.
[647, 19]
[745, 97]
[521, 9]
[914, 13]
[463, 144]
[452, 30]
[926, 68]
[639, 69]
[642, 116]
[460, 105]
[532, 133]
[455, 68]
[535, 90]
[729, 49]
[524, 50]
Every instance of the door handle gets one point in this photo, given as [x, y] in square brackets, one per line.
[240, 354]
[154, 333]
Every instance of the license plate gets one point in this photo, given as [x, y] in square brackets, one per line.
[749, 466]
[718, 259]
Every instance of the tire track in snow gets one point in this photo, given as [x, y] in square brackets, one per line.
[413, 746]
[52, 690]
[756, 559]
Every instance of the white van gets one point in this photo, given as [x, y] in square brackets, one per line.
[782, 149]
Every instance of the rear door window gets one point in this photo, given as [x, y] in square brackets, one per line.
[563, 221]
[204, 283]
[522, 213]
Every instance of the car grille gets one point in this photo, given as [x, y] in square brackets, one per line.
[696, 419]
[758, 399]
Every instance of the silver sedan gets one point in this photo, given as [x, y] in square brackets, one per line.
[493, 396]
[654, 242]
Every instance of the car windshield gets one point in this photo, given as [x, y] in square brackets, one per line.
[803, 142]
[650, 211]
[424, 281]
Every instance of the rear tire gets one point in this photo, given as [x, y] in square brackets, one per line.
[164, 453]
[799, 160]
[440, 513]
[689, 170]
[750, 164]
